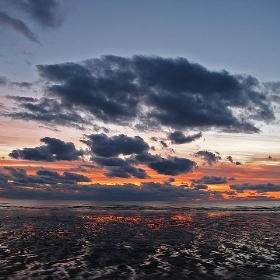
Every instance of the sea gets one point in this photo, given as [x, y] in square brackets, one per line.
[49, 239]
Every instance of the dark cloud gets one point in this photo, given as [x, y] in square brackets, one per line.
[69, 176]
[229, 158]
[209, 157]
[178, 137]
[126, 172]
[169, 166]
[200, 186]
[48, 173]
[48, 128]
[6, 82]
[107, 149]
[3, 81]
[231, 178]
[19, 177]
[48, 111]
[47, 13]
[108, 94]
[151, 92]
[22, 84]
[104, 146]
[68, 187]
[260, 188]
[208, 180]
[173, 166]
[54, 150]
[18, 26]
[111, 161]
[145, 158]
[164, 145]
[118, 167]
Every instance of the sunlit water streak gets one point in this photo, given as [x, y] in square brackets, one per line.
[147, 240]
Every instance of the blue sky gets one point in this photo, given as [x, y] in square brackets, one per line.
[239, 36]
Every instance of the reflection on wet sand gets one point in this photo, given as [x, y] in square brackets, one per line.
[136, 244]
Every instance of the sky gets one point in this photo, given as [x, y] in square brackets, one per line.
[139, 100]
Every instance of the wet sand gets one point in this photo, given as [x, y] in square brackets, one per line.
[129, 243]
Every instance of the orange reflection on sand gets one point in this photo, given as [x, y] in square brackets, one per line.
[218, 214]
[99, 221]
[182, 219]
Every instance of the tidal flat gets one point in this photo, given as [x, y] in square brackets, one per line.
[139, 243]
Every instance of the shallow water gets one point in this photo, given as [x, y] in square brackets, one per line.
[139, 241]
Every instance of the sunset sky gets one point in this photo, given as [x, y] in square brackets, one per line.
[140, 100]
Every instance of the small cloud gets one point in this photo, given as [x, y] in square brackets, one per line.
[173, 166]
[18, 26]
[209, 157]
[53, 150]
[46, 13]
[104, 146]
[230, 159]
[164, 145]
[200, 186]
[178, 137]
[210, 180]
[3, 81]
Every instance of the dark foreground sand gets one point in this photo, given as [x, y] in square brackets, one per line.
[139, 244]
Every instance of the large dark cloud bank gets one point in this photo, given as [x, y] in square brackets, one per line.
[147, 92]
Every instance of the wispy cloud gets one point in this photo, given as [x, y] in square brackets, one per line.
[209, 157]
[47, 13]
[18, 26]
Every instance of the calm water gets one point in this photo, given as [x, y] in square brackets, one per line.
[139, 240]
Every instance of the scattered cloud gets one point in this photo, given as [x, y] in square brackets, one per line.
[173, 166]
[104, 146]
[105, 152]
[169, 166]
[229, 158]
[209, 157]
[210, 180]
[260, 188]
[19, 177]
[200, 186]
[178, 137]
[48, 184]
[126, 171]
